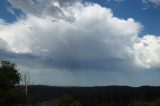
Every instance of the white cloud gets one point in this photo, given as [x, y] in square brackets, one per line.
[147, 51]
[87, 36]
[155, 2]
[116, 0]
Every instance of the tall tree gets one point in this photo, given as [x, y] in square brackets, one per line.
[9, 75]
[9, 78]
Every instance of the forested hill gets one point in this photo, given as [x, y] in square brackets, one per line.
[95, 95]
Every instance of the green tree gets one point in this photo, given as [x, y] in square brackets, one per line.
[9, 78]
[9, 75]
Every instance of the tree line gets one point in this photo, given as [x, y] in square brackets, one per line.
[14, 94]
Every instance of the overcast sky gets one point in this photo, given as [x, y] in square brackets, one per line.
[83, 43]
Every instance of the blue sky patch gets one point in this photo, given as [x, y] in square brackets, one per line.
[6, 14]
[135, 9]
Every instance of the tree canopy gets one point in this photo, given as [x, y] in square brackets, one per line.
[9, 75]
[9, 78]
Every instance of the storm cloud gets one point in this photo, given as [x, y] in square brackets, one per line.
[76, 36]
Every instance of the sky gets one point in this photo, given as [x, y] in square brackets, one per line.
[83, 42]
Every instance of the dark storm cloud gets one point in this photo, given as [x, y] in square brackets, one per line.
[109, 64]
[66, 62]
[21, 59]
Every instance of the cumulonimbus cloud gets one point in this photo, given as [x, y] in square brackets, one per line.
[79, 36]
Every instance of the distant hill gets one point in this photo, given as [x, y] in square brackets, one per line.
[96, 95]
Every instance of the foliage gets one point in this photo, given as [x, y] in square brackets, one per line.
[145, 103]
[155, 103]
[64, 100]
[9, 78]
[98, 96]
[9, 75]
[67, 100]
[138, 103]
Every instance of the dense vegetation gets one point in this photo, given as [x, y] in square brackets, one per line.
[99, 96]
[12, 94]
